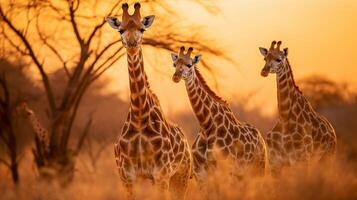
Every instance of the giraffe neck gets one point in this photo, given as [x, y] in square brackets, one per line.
[204, 102]
[141, 97]
[35, 123]
[42, 135]
[287, 90]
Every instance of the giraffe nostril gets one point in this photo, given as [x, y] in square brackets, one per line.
[176, 78]
[264, 72]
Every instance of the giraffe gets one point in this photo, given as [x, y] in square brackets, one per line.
[42, 135]
[300, 133]
[220, 131]
[48, 168]
[149, 146]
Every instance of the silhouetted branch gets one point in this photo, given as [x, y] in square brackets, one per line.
[52, 48]
[33, 57]
[5, 163]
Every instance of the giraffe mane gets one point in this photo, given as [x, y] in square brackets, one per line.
[207, 88]
[292, 76]
[149, 88]
[151, 92]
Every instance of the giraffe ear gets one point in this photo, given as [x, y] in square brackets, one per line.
[263, 51]
[148, 20]
[113, 22]
[174, 56]
[196, 59]
[285, 52]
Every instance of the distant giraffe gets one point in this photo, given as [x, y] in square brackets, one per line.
[149, 146]
[300, 133]
[42, 136]
[48, 169]
[220, 129]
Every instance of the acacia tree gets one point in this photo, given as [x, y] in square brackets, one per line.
[71, 35]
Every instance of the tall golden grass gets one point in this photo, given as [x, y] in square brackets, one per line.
[333, 180]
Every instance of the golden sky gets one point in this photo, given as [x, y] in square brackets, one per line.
[321, 36]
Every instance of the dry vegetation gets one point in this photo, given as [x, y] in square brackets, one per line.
[321, 181]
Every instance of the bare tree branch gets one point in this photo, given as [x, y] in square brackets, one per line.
[45, 79]
[52, 48]
[5, 163]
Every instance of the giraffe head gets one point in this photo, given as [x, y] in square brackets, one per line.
[24, 109]
[274, 58]
[132, 27]
[184, 64]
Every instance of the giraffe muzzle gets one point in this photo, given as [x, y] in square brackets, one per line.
[176, 78]
[264, 72]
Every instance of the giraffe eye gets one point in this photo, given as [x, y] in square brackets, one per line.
[142, 30]
[174, 65]
[278, 60]
[121, 31]
[189, 66]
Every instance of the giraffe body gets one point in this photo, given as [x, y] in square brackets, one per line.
[149, 146]
[221, 133]
[300, 133]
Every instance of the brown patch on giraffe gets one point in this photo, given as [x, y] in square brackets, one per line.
[135, 101]
[297, 136]
[156, 143]
[288, 145]
[137, 73]
[221, 132]
[284, 94]
[124, 147]
[199, 158]
[218, 119]
[133, 149]
[284, 106]
[276, 136]
[226, 123]
[205, 111]
[220, 142]
[199, 105]
[207, 102]
[214, 108]
[140, 84]
[242, 138]
[228, 139]
[210, 142]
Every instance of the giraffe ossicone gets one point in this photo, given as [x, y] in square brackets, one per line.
[149, 146]
[221, 132]
[300, 133]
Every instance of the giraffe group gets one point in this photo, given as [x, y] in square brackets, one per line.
[151, 147]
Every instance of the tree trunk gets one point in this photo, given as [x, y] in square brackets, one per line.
[13, 155]
[15, 172]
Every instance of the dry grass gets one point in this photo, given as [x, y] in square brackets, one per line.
[337, 180]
